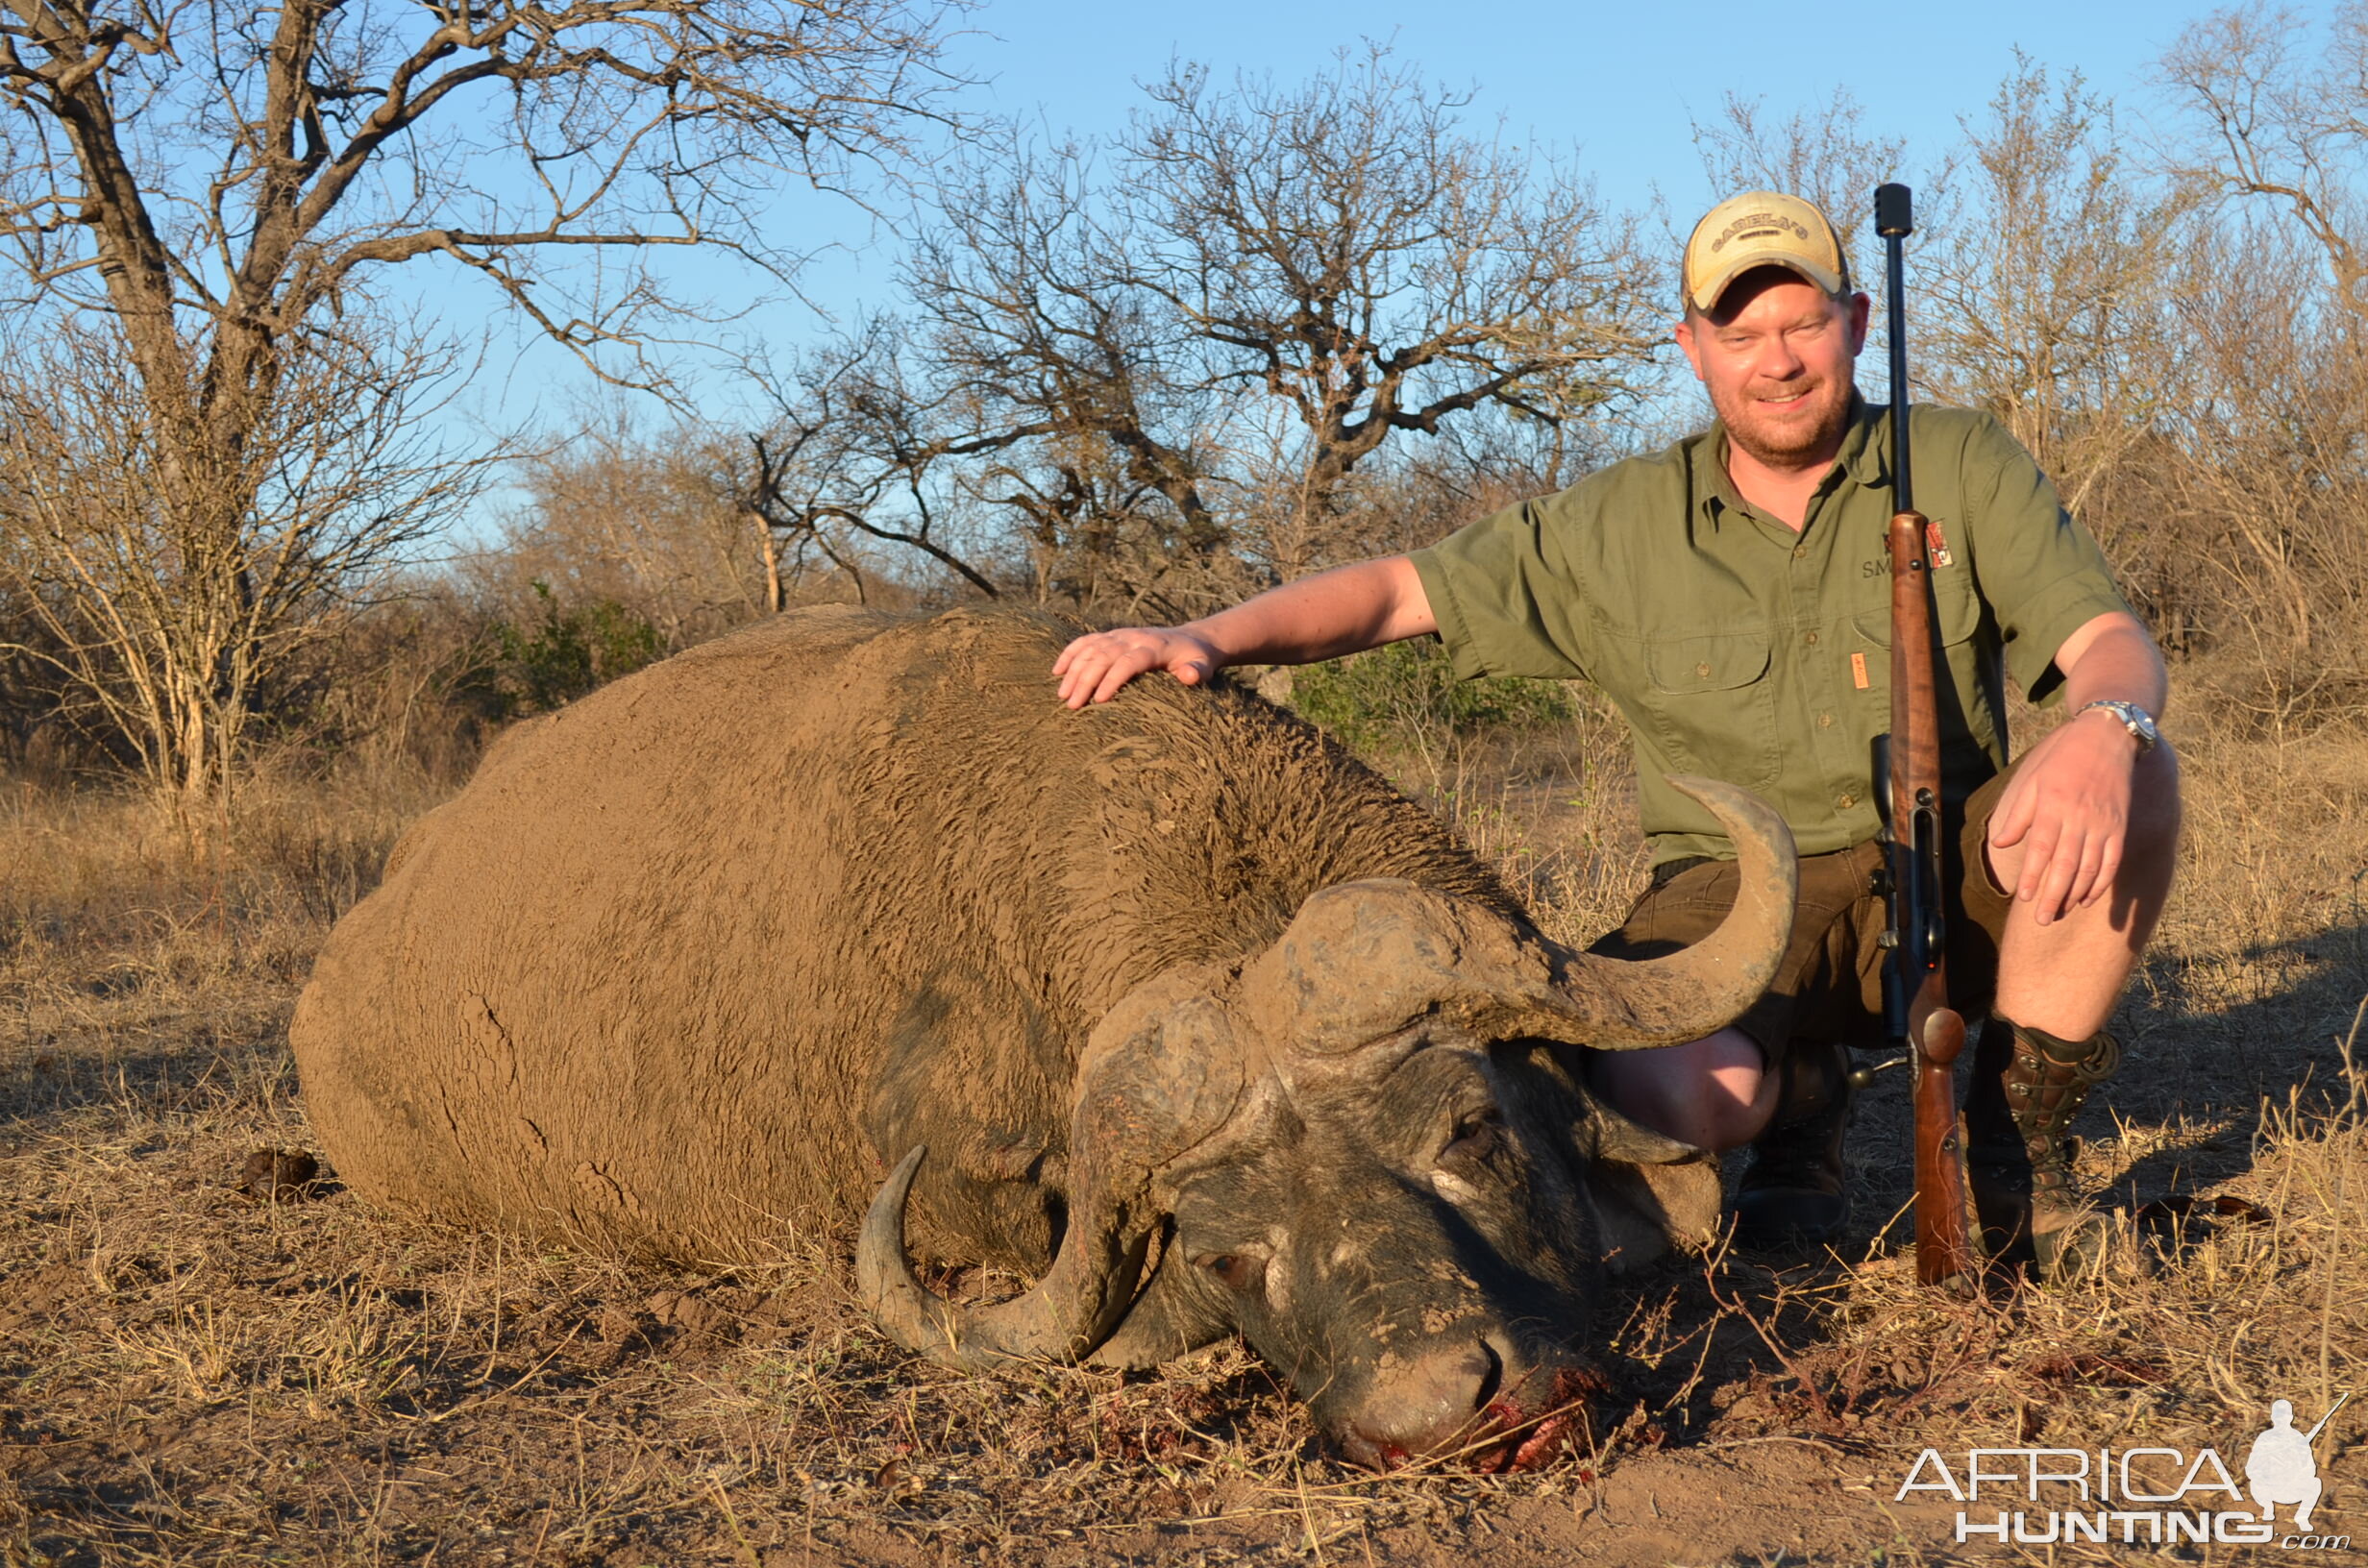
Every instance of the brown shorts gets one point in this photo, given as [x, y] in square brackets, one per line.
[1829, 984]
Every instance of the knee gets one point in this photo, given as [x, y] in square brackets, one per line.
[1715, 1092]
[1739, 1094]
[1739, 1110]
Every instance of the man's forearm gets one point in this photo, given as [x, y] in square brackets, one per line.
[2119, 664]
[1340, 611]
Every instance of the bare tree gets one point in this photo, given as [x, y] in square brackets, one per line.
[212, 189]
[2269, 494]
[857, 458]
[1824, 154]
[2278, 114]
[1162, 361]
[644, 517]
[2048, 300]
[159, 622]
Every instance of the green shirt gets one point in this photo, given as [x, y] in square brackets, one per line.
[1739, 648]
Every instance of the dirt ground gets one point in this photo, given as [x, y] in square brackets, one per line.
[206, 1359]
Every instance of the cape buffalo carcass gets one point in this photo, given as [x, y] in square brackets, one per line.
[1167, 1003]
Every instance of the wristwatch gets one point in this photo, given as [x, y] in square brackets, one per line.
[2139, 723]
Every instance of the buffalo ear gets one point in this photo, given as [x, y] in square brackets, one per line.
[1650, 1192]
[1643, 1211]
[1646, 1190]
[1605, 1134]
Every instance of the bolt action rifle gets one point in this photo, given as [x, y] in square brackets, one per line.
[1916, 992]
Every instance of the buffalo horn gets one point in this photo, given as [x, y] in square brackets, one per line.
[1160, 1074]
[1367, 961]
[1072, 1310]
[1618, 1004]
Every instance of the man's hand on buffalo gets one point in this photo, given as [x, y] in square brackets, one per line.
[1093, 668]
[1342, 611]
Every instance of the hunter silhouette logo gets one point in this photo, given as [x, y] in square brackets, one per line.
[2282, 1469]
[2137, 1496]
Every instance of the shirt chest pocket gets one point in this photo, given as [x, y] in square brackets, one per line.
[1713, 704]
[1954, 602]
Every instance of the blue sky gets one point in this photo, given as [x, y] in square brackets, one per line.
[1619, 85]
[1619, 82]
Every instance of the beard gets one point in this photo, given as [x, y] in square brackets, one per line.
[1796, 436]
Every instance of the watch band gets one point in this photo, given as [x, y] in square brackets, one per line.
[2136, 720]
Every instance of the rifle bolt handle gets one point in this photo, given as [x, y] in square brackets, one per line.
[1865, 1077]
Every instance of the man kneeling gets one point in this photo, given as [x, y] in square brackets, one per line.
[1732, 595]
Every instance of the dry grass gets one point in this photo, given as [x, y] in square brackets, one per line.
[1554, 809]
[190, 1375]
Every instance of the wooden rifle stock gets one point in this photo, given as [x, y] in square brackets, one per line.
[1917, 989]
[1935, 1034]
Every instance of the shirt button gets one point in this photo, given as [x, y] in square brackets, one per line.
[1702, 670]
[1810, 639]
[1847, 801]
[1800, 552]
[1825, 720]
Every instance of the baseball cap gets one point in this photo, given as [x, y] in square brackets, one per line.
[1761, 229]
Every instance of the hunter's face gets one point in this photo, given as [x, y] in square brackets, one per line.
[1776, 356]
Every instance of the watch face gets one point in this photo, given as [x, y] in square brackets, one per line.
[2136, 720]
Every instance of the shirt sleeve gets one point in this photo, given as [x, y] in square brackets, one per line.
[2040, 572]
[1505, 597]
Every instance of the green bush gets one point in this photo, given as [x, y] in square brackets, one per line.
[567, 652]
[1406, 693]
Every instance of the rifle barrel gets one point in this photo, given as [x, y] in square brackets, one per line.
[1895, 221]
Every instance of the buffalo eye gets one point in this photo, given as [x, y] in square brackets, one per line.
[1236, 1271]
[1476, 1134]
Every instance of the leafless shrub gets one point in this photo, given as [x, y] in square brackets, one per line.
[195, 199]
[644, 517]
[166, 600]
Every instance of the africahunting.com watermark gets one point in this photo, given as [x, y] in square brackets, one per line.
[2137, 1496]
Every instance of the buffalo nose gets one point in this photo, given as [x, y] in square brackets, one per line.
[1425, 1406]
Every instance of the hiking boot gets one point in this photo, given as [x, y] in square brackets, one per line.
[1794, 1195]
[2027, 1087]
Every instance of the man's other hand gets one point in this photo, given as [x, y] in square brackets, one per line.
[2068, 808]
[1093, 668]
